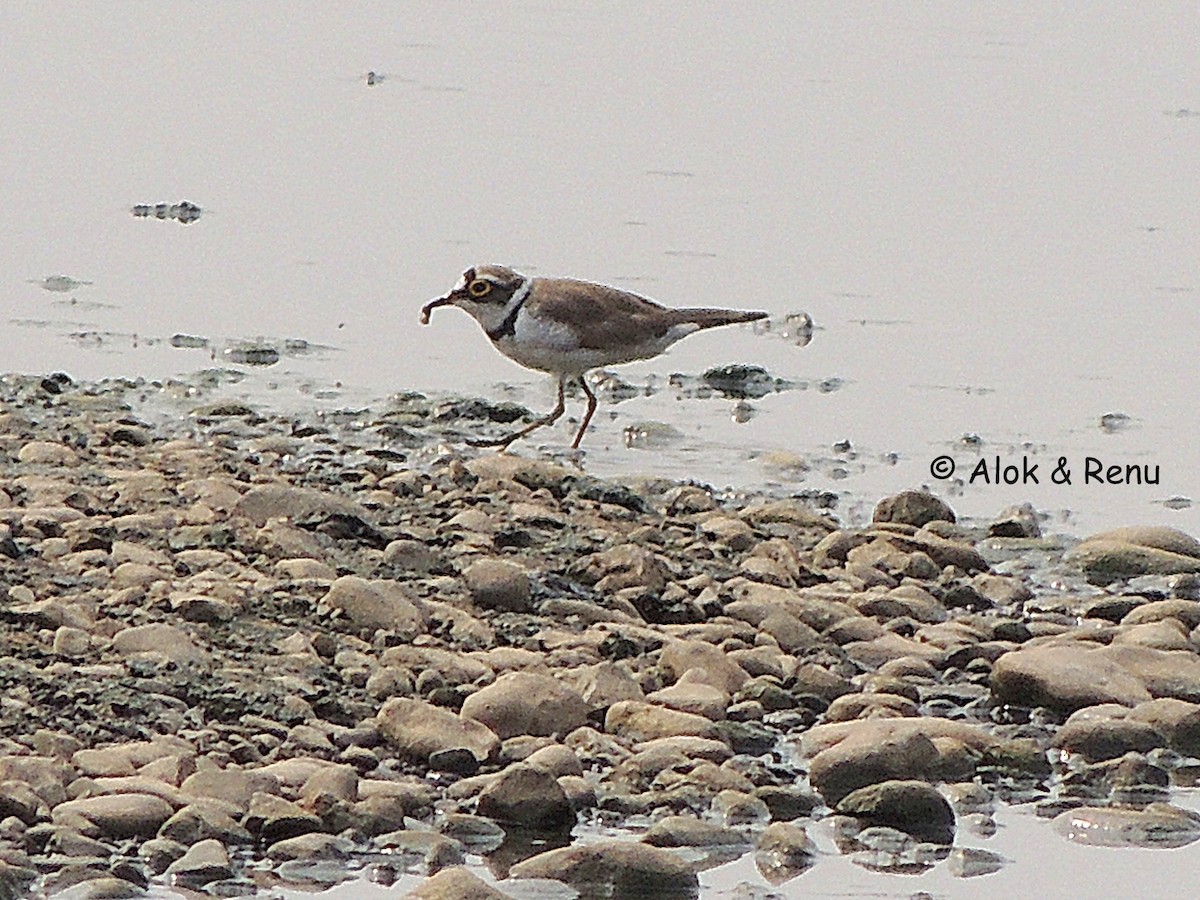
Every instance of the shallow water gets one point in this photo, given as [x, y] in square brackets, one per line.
[989, 212]
[986, 211]
[1038, 863]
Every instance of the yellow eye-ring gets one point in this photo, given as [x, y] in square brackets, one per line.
[480, 288]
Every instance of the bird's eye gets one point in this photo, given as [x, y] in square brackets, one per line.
[480, 288]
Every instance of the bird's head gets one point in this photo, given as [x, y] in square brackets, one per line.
[485, 292]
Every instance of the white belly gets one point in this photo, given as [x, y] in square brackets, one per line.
[553, 347]
[552, 359]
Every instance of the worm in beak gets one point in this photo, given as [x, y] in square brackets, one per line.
[432, 305]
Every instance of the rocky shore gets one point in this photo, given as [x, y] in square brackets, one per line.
[240, 650]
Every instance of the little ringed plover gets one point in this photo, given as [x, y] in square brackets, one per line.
[567, 327]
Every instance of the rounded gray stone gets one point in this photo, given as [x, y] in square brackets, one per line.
[916, 508]
[529, 797]
[914, 807]
[499, 585]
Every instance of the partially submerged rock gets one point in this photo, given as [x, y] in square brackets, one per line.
[1159, 825]
[628, 870]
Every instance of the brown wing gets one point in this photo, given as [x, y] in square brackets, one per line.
[603, 316]
[711, 318]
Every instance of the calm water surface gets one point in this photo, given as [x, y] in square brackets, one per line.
[990, 211]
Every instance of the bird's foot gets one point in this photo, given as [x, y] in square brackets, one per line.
[503, 443]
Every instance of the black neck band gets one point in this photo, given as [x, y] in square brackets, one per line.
[508, 328]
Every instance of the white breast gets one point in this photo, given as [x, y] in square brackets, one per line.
[550, 346]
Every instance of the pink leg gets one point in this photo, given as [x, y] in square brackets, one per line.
[587, 417]
[547, 420]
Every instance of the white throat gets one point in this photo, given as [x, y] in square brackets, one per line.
[500, 322]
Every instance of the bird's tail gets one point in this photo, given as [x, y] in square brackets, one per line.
[711, 318]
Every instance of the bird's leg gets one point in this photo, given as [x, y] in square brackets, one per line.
[587, 417]
[550, 419]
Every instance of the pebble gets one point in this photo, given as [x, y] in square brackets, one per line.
[521, 703]
[1158, 825]
[415, 729]
[529, 797]
[625, 869]
[499, 585]
[115, 817]
[456, 883]
[913, 807]
[204, 861]
[352, 652]
[784, 851]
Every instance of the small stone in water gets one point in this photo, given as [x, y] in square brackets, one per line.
[741, 381]
[743, 412]
[651, 435]
[1113, 422]
[252, 354]
[59, 284]
[183, 212]
[799, 328]
[969, 862]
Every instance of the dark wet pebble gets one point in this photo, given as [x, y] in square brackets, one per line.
[743, 382]
[913, 807]
[252, 354]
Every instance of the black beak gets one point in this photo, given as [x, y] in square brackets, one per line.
[434, 304]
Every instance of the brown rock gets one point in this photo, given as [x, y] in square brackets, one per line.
[456, 883]
[913, 807]
[618, 869]
[529, 797]
[499, 585]
[679, 656]
[636, 722]
[116, 816]
[916, 508]
[520, 703]
[275, 501]
[372, 605]
[416, 729]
